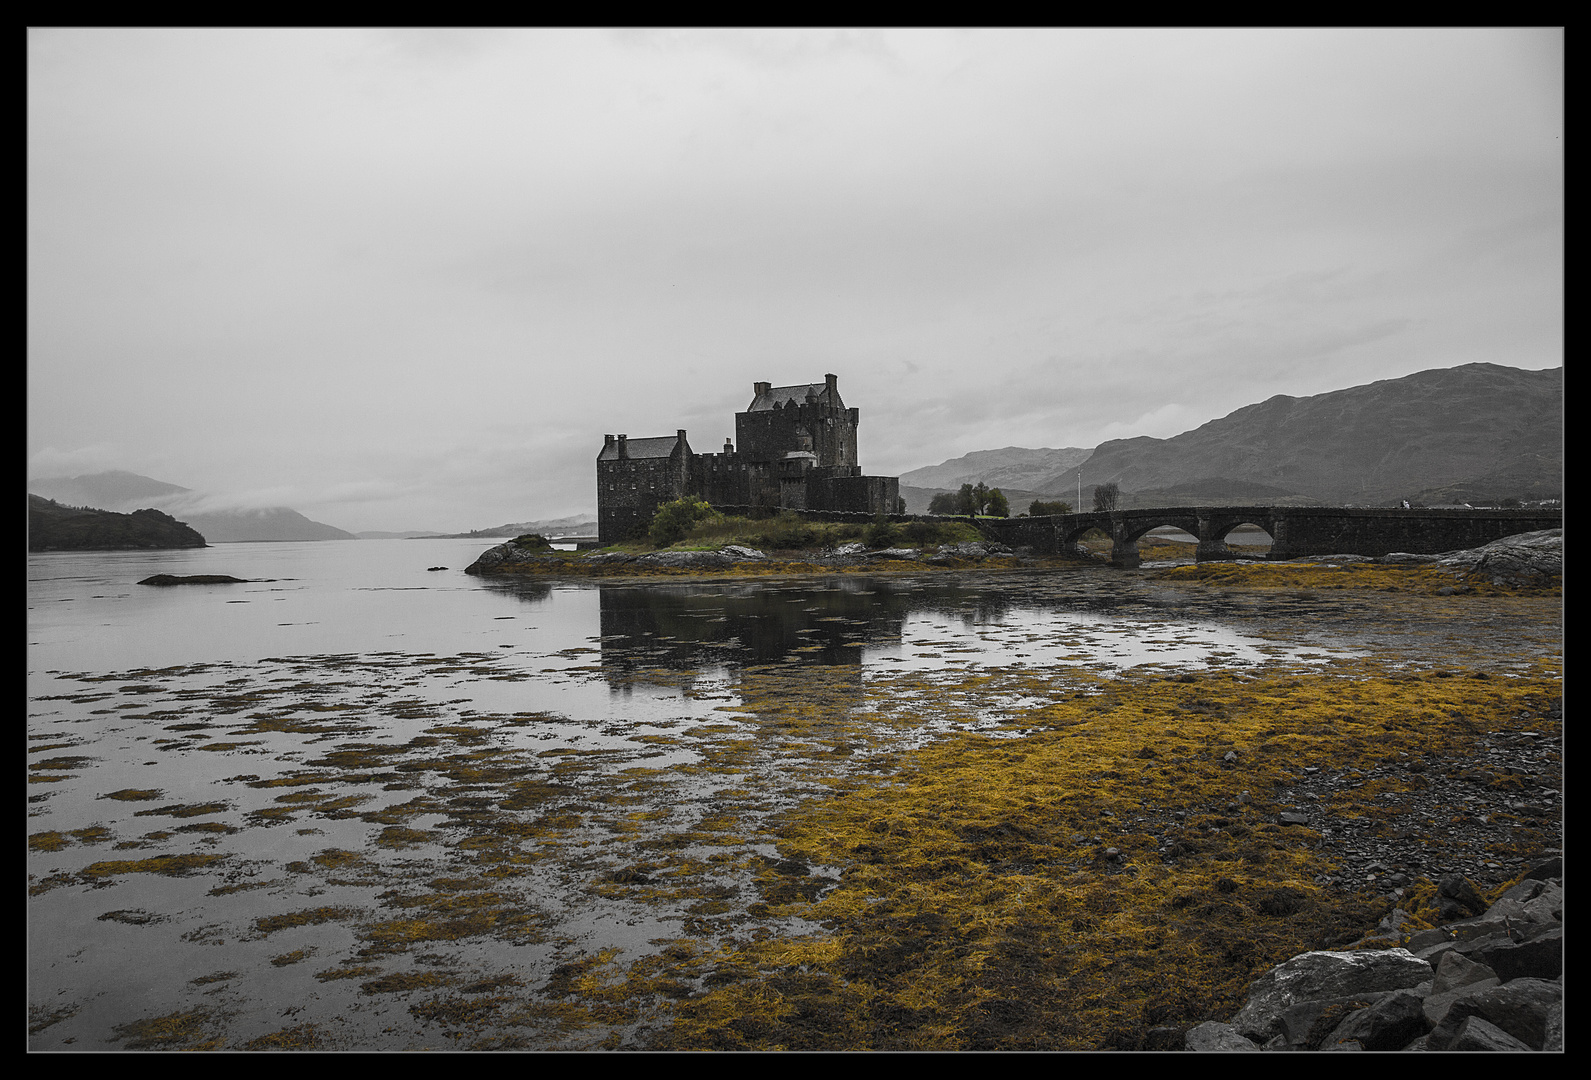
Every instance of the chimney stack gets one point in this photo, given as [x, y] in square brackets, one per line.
[624, 449]
[760, 388]
[834, 385]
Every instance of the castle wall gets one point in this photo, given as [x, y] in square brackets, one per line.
[732, 479]
[630, 490]
[854, 494]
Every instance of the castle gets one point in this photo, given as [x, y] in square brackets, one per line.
[797, 450]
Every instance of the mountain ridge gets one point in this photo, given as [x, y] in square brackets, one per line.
[1473, 433]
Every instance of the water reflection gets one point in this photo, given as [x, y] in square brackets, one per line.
[900, 623]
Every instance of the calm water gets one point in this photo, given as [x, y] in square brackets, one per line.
[86, 613]
[312, 741]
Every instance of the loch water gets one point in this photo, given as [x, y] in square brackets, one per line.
[235, 790]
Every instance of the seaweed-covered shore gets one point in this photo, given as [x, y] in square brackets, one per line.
[371, 852]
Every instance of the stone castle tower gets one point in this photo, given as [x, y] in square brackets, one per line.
[797, 449]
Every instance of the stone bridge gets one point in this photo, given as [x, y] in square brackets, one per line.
[1296, 531]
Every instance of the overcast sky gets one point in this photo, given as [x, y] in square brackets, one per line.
[408, 279]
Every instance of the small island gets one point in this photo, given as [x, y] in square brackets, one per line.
[53, 527]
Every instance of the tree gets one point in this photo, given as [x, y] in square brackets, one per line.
[673, 519]
[1044, 509]
[999, 506]
[1106, 496]
[943, 503]
[966, 501]
[980, 497]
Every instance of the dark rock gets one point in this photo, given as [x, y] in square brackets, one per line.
[1477, 1034]
[1459, 896]
[1552, 868]
[1317, 975]
[1213, 1037]
[1521, 1008]
[1389, 1024]
[1306, 1025]
[1539, 957]
[193, 579]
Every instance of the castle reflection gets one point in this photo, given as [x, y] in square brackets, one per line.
[699, 625]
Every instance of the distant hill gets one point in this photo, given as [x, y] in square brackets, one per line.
[1478, 433]
[579, 525]
[52, 527]
[274, 523]
[1489, 431]
[1014, 468]
[120, 492]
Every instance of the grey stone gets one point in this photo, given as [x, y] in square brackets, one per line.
[1304, 1026]
[1524, 559]
[1457, 888]
[1456, 971]
[1538, 957]
[897, 553]
[1554, 1040]
[1389, 1024]
[1476, 1033]
[1520, 1008]
[1314, 975]
[1214, 1037]
[745, 554]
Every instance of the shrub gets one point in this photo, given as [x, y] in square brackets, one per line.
[1038, 508]
[673, 519]
[881, 533]
[788, 532]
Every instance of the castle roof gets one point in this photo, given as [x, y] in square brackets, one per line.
[785, 396]
[660, 447]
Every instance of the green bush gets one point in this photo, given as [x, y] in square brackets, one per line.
[788, 532]
[881, 533]
[673, 520]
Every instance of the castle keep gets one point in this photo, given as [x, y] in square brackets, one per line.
[797, 449]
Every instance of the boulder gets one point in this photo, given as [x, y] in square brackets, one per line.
[1521, 1008]
[1527, 559]
[1213, 1037]
[1318, 975]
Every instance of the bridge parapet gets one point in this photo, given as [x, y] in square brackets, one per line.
[1296, 531]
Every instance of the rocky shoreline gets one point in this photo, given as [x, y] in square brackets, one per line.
[509, 558]
[1526, 560]
[1490, 981]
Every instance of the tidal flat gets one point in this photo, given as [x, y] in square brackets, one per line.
[1038, 812]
